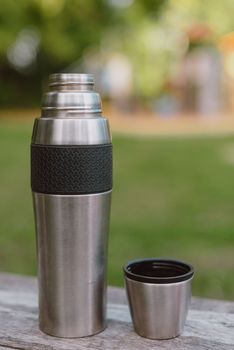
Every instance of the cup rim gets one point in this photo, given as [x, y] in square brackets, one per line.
[170, 263]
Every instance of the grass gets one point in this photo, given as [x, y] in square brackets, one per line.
[172, 197]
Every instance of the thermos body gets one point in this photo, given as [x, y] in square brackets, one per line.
[71, 180]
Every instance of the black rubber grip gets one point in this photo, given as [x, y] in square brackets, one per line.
[71, 169]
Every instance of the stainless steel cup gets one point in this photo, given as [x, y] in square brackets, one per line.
[71, 180]
[159, 292]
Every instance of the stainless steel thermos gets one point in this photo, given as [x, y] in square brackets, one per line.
[71, 180]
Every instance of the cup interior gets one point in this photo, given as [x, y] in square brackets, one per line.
[158, 271]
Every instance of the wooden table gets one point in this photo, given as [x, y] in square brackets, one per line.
[210, 323]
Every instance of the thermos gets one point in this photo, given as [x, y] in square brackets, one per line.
[71, 180]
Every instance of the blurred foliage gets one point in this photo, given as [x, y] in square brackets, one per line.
[38, 37]
[157, 47]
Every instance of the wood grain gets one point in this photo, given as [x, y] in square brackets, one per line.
[210, 323]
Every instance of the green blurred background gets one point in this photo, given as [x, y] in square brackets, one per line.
[173, 194]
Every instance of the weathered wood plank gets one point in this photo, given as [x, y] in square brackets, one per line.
[115, 295]
[208, 327]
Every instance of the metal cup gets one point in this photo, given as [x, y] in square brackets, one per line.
[159, 293]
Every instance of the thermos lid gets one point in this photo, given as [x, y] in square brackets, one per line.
[70, 79]
[73, 92]
[71, 113]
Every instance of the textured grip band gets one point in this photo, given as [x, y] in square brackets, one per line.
[71, 169]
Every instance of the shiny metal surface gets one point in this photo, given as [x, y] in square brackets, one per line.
[59, 79]
[81, 101]
[71, 113]
[158, 310]
[72, 233]
[71, 131]
[72, 230]
[73, 92]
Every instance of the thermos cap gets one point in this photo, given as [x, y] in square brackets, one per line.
[71, 92]
[70, 78]
[71, 113]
